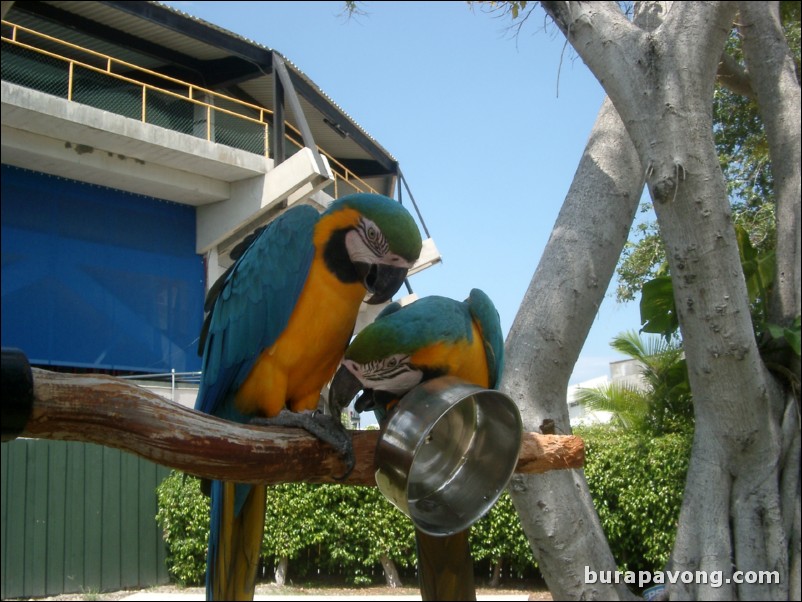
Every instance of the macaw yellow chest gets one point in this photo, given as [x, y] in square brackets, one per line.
[292, 372]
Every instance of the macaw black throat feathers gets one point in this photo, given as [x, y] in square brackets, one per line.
[337, 260]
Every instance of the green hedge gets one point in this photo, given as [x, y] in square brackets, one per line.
[338, 530]
[637, 484]
[334, 530]
[184, 517]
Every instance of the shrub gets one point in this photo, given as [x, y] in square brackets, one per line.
[336, 530]
[498, 538]
[184, 518]
[637, 483]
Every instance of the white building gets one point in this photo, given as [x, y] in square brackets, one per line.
[622, 371]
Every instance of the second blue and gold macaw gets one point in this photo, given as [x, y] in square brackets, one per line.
[403, 347]
[279, 322]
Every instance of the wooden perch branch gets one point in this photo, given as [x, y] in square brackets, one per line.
[116, 413]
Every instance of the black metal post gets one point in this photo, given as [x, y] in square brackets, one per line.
[17, 402]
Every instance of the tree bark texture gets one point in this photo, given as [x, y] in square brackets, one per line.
[776, 83]
[545, 340]
[391, 577]
[116, 413]
[661, 83]
[280, 573]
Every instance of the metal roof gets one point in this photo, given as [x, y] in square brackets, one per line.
[168, 41]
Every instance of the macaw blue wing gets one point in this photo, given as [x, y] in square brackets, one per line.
[272, 341]
[486, 315]
[250, 309]
[253, 306]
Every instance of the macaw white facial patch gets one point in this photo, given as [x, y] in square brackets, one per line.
[393, 374]
[366, 244]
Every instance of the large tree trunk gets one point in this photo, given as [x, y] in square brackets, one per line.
[776, 85]
[546, 338]
[661, 84]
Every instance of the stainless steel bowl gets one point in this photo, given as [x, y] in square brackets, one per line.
[447, 452]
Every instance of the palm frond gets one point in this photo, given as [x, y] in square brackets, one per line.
[627, 404]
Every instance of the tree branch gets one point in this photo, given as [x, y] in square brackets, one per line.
[734, 77]
[773, 73]
[116, 413]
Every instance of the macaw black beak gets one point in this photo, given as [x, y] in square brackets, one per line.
[381, 280]
[366, 401]
[381, 402]
[343, 389]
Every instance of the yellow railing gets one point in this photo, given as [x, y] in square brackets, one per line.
[161, 99]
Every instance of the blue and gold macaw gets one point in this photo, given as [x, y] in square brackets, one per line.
[403, 347]
[278, 324]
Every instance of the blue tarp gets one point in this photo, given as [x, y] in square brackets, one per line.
[93, 277]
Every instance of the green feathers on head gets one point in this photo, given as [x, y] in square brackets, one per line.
[429, 320]
[390, 216]
[426, 321]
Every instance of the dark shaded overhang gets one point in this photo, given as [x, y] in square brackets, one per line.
[262, 62]
[203, 54]
[222, 72]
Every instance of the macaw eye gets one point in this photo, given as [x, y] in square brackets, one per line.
[387, 368]
[373, 237]
[393, 374]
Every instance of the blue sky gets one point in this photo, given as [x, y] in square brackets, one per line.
[488, 129]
